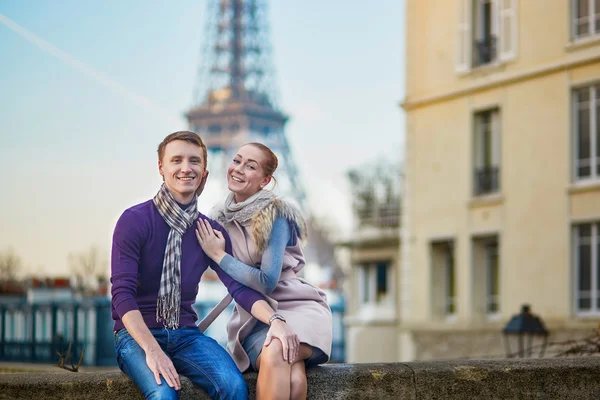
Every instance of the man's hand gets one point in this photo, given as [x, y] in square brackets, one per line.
[156, 359]
[211, 240]
[160, 364]
[202, 183]
[289, 340]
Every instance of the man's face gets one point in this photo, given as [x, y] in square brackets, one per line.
[182, 168]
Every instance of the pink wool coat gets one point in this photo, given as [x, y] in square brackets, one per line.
[303, 305]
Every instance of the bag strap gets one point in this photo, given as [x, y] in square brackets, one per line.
[214, 313]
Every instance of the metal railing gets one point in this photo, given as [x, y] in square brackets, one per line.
[37, 333]
[484, 50]
[486, 180]
[380, 215]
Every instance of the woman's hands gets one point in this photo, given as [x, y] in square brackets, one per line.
[289, 340]
[211, 240]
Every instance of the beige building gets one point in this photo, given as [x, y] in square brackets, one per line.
[502, 192]
[371, 319]
[372, 261]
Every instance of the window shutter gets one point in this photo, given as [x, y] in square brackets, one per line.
[507, 43]
[495, 27]
[496, 139]
[463, 45]
[574, 19]
[477, 142]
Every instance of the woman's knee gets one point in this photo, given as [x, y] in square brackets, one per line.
[272, 355]
[305, 351]
[298, 375]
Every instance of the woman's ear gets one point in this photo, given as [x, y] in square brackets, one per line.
[266, 181]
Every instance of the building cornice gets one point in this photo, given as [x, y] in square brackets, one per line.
[501, 80]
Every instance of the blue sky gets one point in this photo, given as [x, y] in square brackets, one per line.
[80, 122]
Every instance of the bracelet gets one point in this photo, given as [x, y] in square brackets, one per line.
[274, 317]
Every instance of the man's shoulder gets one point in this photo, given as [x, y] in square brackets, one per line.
[139, 211]
[135, 222]
[146, 206]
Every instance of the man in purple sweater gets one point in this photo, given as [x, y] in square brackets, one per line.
[156, 266]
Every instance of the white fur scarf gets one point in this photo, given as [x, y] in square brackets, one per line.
[262, 217]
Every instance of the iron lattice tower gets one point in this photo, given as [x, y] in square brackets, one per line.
[235, 101]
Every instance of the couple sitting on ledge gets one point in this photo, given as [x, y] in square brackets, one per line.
[280, 324]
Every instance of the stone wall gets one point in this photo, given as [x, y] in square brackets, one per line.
[556, 378]
[485, 344]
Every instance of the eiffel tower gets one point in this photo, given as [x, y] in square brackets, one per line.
[235, 100]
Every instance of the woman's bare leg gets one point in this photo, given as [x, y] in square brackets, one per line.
[298, 386]
[276, 377]
[274, 373]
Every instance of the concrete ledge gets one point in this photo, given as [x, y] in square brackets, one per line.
[558, 378]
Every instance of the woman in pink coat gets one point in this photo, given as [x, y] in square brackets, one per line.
[266, 233]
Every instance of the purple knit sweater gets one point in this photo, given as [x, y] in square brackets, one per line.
[139, 244]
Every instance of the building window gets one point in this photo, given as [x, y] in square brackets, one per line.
[375, 283]
[443, 279]
[586, 18]
[586, 110]
[484, 38]
[586, 244]
[486, 152]
[486, 274]
[487, 32]
[491, 277]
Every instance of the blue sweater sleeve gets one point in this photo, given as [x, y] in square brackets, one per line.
[265, 278]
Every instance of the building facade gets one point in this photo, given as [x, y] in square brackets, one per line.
[371, 319]
[502, 188]
[372, 261]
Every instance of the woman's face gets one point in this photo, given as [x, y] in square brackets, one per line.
[245, 175]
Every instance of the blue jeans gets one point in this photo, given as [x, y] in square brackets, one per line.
[196, 356]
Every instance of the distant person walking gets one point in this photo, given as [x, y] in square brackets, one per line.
[156, 267]
[266, 233]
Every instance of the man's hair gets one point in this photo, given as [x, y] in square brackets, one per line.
[186, 136]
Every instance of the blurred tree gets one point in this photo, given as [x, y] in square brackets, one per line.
[89, 268]
[322, 247]
[376, 192]
[10, 266]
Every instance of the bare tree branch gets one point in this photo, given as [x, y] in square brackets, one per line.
[87, 267]
[64, 358]
[10, 264]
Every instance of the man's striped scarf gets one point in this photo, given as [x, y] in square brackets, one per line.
[169, 296]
